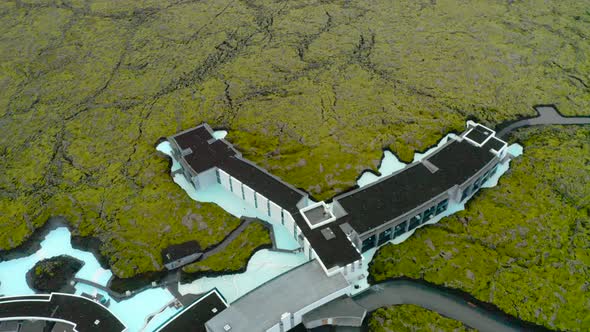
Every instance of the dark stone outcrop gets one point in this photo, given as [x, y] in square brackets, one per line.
[53, 274]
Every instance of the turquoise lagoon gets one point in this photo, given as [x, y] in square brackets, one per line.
[132, 311]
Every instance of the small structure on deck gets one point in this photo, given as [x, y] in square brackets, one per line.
[181, 254]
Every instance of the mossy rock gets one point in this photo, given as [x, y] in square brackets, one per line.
[412, 318]
[53, 274]
[234, 258]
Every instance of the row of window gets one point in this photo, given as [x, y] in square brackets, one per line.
[405, 226]
[268, 210]
[231, 188]
[477, 184]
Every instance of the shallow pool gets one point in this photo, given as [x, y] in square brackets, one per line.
[57, 242]
[263, 266]
[132, 312]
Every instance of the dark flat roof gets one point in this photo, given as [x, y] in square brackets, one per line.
[338, 251]
[262, 182]
[208, 153]
[383, 201]
[180, 250]
[479, 134]
[368, 207]
[495, 144]
[317, 215]
[204, 155]
[194, 317]
[75, 309]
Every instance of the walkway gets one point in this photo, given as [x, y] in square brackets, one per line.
[109, 291]
[445, 303]
[228, 239]
[547, 115]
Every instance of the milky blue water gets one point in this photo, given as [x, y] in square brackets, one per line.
[219, 134]
[389, 165]
[57, 242]
[263, 266]
[132, 312]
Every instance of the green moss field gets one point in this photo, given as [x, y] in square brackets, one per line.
[310, 90]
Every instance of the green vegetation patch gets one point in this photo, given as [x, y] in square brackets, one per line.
[310, 90]
[236, 255]
[522, 245]
[412, 318]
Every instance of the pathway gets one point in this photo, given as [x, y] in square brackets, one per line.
[232, 236]
[547, 115]
[446, 304]
[112, 293]
[238, 230]
[398, 292]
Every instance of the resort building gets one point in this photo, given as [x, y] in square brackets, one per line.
[333, 235]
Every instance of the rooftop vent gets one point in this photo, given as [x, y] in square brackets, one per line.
[347, 229]
[431, 167]
[226, 327]
[327, 233]
[214, 310]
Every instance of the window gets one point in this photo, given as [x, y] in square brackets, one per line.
[283, 217]
[368, 243]
[493, 171]
[442, 206]
[414, 222]
[243, 193]
[428, 214]
[268, 207]
[400, 229]
[485, 178]
[476, 184]
[255, 201]
[231, 187]
[218, 177]
[466, 193]
[384, 236]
